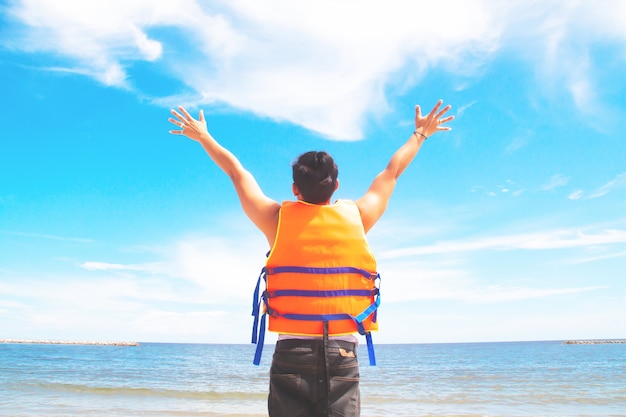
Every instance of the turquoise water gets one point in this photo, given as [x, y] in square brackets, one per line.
[478, 379]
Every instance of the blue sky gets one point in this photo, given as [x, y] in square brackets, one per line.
[509, 227]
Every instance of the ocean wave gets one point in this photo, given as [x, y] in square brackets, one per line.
[211, 395]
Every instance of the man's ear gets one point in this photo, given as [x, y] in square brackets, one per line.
[294, 189]
[337, 184]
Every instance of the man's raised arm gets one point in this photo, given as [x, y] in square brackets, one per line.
[373, 204]
[262, 210]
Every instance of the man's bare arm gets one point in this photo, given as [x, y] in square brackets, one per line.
[373, 204]
[262, 210]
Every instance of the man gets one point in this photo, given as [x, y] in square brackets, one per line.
[320, 272]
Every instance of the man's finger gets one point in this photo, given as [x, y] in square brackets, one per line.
[187, 115]
[443, 111]
[178, 115]
[436, 108]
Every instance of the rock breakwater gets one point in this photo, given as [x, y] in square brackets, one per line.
[66, 342]
[594, 342]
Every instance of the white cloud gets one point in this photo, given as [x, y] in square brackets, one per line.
[576, 195]
[555, 181]
[498, 293]
[198, 289]
[226, 267]
[616, 183]
[552, 239]
[124, 307]
[583, 93]
[598, 258]
[451, 279]
[318, 64]
[213, 265]
[517, 143]
[97, 38]
[5, 305]
[323, 65]
[461, 110]
[215, 326]
[104, 266]
[48, 237]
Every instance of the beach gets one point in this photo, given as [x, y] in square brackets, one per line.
[155, 379]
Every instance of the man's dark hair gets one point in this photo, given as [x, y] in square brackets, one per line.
[315, 174]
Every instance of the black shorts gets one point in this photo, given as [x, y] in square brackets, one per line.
[308, 379]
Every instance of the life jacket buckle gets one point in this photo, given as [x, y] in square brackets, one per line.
[271, 312]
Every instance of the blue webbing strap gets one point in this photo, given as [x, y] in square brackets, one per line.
[258, 329]
[256, 306]
[259, 345]
[370, 349]
[372, 309]
[328, 293]
[317, 317]
[312, 270]
[369, 310]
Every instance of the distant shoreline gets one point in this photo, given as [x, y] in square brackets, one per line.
[111, 343]
[66, 342]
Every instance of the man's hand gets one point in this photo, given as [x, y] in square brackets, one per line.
[433, 122]
[190, 127]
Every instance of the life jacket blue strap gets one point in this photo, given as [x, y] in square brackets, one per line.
[316, 317]
[312, 270]
[328, 293]
[370, 349]
[256, 306]
[260, 343]
[369, 310]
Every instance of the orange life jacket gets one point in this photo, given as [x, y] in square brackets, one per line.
[319, 270]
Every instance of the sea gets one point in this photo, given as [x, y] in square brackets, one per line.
[463, 379]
